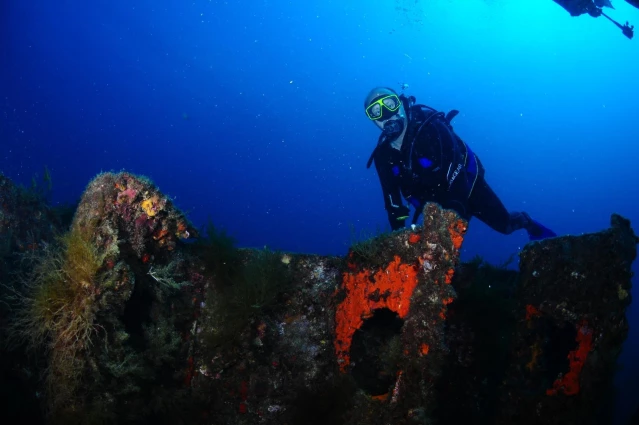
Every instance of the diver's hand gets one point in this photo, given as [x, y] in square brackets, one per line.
[397, 216]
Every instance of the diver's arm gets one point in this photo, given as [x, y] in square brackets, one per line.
[397, 211]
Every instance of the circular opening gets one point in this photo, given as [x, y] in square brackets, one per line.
[376, 350]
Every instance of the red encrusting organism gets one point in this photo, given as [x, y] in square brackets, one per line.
[457, 230]
[569, 383]
[531, 311]
[389, 288]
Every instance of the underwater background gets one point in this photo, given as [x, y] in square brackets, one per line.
[250, 113]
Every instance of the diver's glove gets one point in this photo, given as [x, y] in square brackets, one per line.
[397, 216]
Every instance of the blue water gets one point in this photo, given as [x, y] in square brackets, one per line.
[250, 112]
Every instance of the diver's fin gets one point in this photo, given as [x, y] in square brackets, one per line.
[537, 231]
[604, 3]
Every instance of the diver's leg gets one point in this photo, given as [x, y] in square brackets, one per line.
[487, 207]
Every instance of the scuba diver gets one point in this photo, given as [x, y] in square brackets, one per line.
[595, 8]
[419, 156]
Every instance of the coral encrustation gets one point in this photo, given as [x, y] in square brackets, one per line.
[390, 288]
[569, 383]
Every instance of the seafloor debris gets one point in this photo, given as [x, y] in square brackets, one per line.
[398, 331]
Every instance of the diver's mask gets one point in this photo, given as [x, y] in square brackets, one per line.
[383, 107]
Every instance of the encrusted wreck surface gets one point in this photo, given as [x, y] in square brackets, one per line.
[398, 331]
[571, 325]
[25, 219]
[106, 306]
[354, 341]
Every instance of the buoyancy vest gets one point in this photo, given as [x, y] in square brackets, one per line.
[439, 165]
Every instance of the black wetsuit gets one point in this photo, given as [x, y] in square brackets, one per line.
[435, 165]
